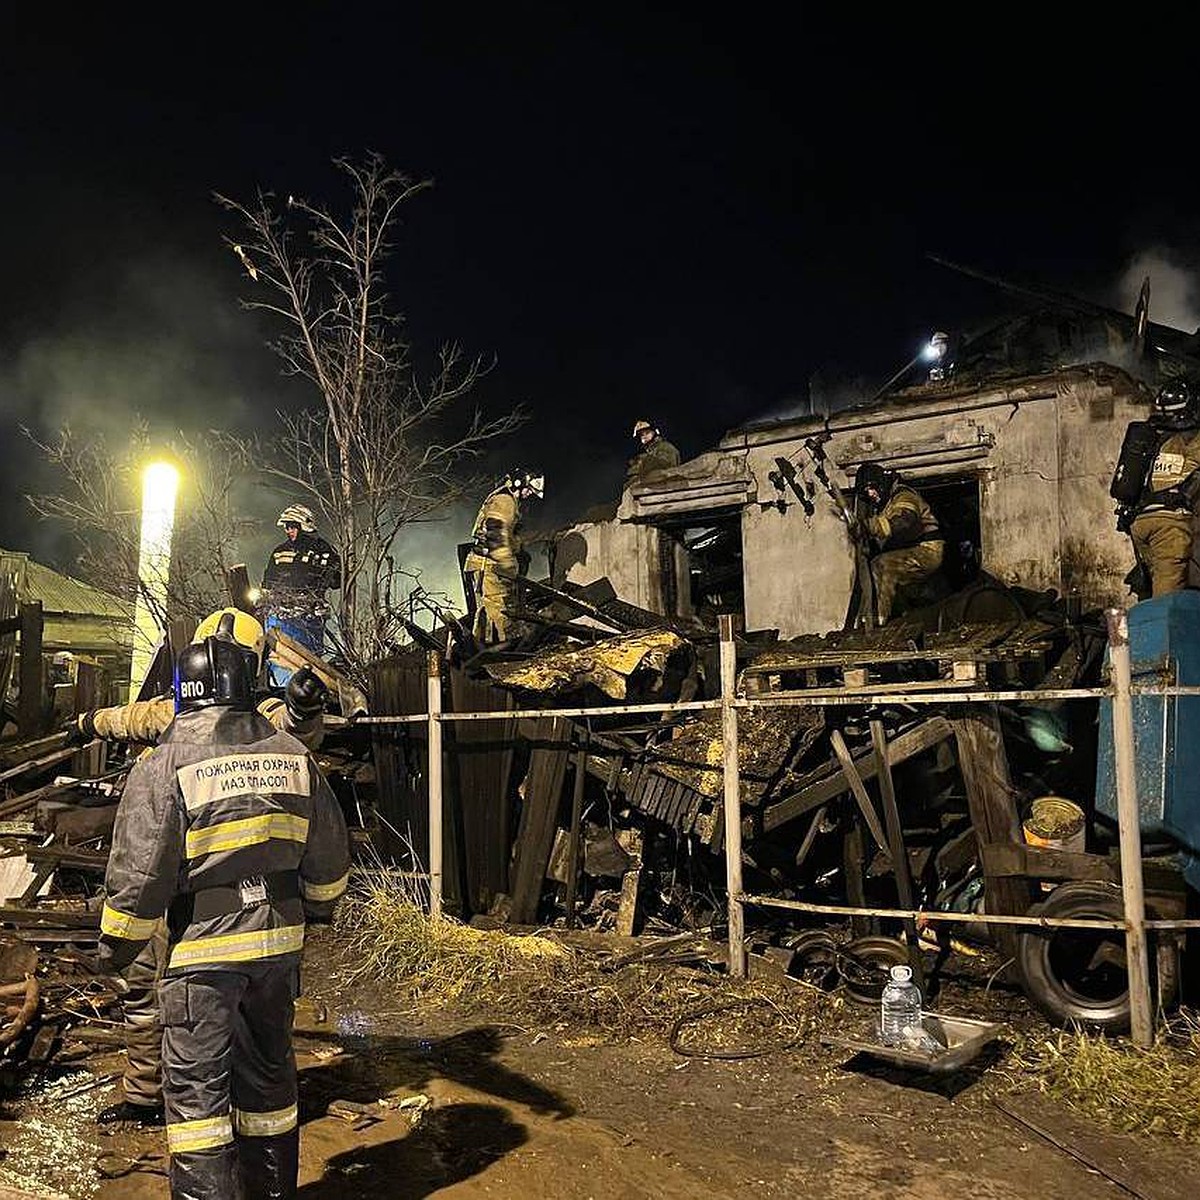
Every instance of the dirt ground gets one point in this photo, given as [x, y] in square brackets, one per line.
[514, 1110]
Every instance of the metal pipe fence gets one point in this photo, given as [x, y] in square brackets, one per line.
[1120, 691]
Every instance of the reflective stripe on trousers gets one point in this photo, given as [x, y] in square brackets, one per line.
[229, 1080]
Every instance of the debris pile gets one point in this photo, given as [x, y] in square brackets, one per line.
[615, 822]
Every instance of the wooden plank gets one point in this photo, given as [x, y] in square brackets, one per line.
[53, 918]
[38, 764]
[896, 848]
[480, 755]
[810, 835]
[858, 790]
[1044, 862]
[29, 705]
[61, 856]
[991, 800]
[819, 787]
[539, 813]
[627, 909]
[574, 832]
[854, 868]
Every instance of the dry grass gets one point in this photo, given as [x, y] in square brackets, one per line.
[538, 981]
[1134, 1091]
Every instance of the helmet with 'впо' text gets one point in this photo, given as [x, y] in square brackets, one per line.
[215, 671]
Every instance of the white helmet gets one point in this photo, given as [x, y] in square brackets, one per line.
[297, 514]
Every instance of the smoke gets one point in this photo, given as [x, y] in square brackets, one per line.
[162, 340]
[1174, 288]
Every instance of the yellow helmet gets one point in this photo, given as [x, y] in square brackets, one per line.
[247, 632]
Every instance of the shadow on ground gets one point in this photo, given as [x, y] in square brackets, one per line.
[449, 1145]
[452, 1142]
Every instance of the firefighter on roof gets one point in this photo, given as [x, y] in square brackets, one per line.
[299, 714]
[493, 563]
[654, 453]
[1156, 486]
[228, 830]
[902, 525]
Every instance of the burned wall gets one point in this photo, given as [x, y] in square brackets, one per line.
[1040, 450]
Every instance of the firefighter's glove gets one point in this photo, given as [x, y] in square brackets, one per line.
[81, 729]
[305, 694]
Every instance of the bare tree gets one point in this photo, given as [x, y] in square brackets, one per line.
[387, 446]
[100, 503]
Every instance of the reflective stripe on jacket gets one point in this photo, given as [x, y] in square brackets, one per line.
[225, 801]
[495, 533]
[1177, 460]
[904, 520]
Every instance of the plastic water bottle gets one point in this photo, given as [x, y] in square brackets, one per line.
[900, 1010]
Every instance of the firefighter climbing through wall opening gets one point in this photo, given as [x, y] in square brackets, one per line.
[494, 559]
[1156, 485]
[229, 833]
[904, 532]
[299, 573]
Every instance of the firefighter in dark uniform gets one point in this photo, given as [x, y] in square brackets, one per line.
[229, 831]
[299, 713]
[1157, 483]
[902, 525]
[654, 453]
[493, 563]
[299, 572]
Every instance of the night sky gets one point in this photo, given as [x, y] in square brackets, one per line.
[667, 216]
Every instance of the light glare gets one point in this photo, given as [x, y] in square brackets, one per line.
[160, 482]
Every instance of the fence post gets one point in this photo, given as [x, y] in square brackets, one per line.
[435, 784]
[733, 802]
[30, 716]
[1129, 827]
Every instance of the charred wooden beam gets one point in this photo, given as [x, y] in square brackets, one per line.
[993, 808]
[822, 786]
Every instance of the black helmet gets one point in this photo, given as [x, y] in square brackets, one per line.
[1177, 405]
[214, 672]
[872, 475]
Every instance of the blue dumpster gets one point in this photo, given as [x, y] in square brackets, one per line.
[1164, 642]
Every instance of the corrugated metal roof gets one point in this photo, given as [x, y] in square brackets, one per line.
[60, 593]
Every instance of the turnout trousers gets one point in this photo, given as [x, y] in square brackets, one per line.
[495, 596]
[1162, 541]
[229, 1081]
[892, 568]
[142, 1082]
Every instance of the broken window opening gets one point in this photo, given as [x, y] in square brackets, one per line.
[955, 504]
[700, 565]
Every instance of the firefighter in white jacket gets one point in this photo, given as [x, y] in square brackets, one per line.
[229, 831]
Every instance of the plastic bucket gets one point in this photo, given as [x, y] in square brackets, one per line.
[1057, 823]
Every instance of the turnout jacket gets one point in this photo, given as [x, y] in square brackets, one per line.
[494, 533]
[301, 572]
[229, 830]
[147, 720]
[1173, 479]
[904, 520]
[660, 455]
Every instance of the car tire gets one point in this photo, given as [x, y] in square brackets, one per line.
[1079, 976]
